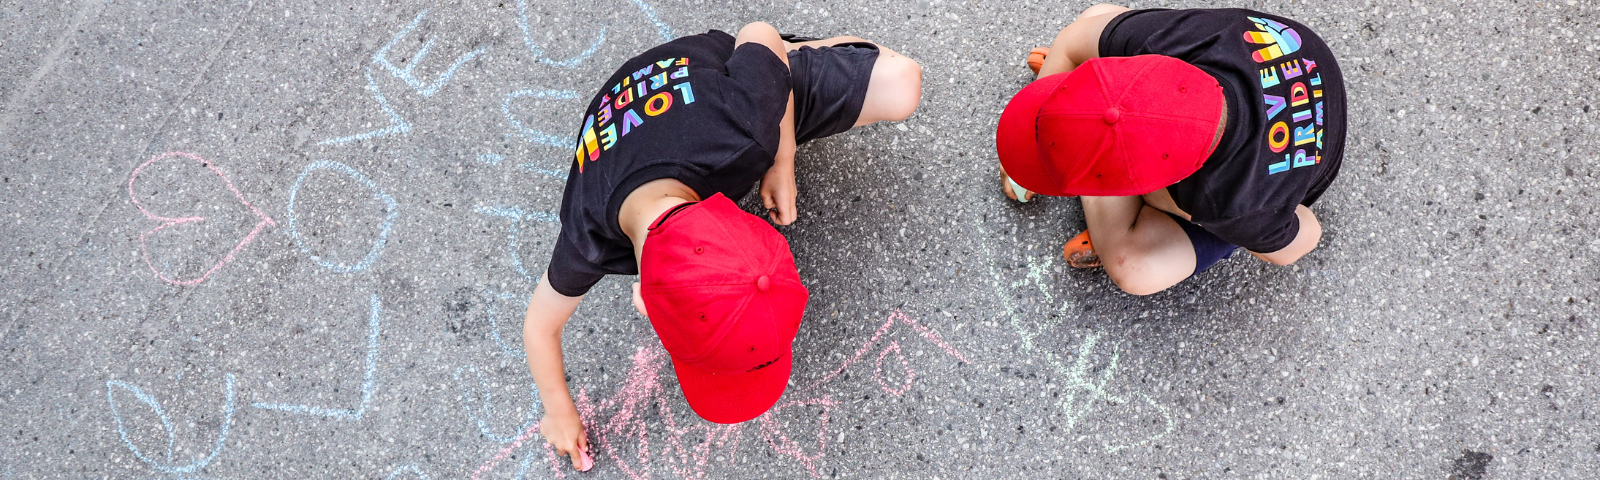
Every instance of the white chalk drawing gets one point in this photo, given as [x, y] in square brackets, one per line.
[398, 124]
[369, 383]
[165, 463]
[1082, 392]
[516, 216]
[390, 207]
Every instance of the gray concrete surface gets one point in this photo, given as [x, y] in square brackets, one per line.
[368, 329]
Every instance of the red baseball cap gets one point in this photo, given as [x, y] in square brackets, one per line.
[723, 293]
[1112, 127]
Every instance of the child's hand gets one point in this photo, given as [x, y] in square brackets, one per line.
[778, 193]
[565, 433]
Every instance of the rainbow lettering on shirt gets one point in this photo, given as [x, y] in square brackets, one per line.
[1288, 84]
[653, 89]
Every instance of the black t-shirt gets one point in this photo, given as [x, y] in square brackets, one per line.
[694, 109]
[1284, 139]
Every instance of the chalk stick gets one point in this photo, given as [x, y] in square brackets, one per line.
[1022, 193]
[585, 462]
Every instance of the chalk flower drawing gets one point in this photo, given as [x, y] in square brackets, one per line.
[165, 462]
[167, 222]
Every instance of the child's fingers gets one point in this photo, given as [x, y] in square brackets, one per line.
[790, 213]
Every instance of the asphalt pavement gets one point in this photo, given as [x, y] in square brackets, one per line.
[261, 239]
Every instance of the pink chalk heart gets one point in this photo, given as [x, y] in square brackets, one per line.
[167, 222]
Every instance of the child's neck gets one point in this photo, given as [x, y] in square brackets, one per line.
[646, 203]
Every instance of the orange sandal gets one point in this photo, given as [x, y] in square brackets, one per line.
[1036, 58]
[1080, 253]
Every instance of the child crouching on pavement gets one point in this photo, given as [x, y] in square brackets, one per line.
[665, 147]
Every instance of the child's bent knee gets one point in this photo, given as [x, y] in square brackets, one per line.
[1100, 9]
[901, 80]
[1133, 275]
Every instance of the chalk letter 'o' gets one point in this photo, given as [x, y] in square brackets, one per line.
[391, 210]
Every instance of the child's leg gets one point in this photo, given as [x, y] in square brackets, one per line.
[895, 87]
[1143, 249]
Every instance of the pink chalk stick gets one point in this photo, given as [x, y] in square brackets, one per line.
[586, 462]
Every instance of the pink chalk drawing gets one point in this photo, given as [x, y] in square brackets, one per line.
[167, 222]
[618, 427]
[894, 318]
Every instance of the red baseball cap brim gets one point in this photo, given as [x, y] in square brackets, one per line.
[1017, 138]
[734, 398]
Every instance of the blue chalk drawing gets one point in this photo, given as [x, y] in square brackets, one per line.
[532, 168]
[407, 468]
[537, 136]
[494, 324]
[165, 464]
[650, 13]
[516, 216]
[405, 75]
[538, 54]
[482, 396]
[398, 124]
[491, 159]
[495, 159]
[391, 209]
[368, 384]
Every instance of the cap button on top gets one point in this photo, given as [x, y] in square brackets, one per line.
[1112, 115]
[763, 283]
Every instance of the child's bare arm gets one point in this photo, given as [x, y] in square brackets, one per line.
[1080, 41]
[777, 187]
[547, 313]
[1304, 241]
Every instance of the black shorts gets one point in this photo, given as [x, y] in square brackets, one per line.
[1208, 248]
[830, 86]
